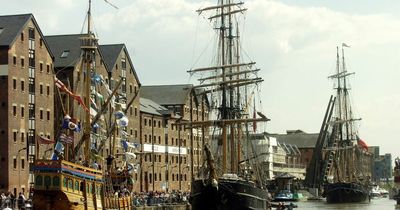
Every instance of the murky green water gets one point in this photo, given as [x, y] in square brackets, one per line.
[375, 204]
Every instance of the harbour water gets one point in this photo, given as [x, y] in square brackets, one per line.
[375, 204]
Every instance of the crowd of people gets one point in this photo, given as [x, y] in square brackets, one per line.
[160, 198]
[9, 201]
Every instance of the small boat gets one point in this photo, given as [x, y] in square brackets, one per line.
[375, 191]
[286, 195]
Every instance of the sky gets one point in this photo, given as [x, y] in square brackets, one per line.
[293, 42]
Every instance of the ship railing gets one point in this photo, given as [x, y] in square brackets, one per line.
[88, 41]
[118, 202]
[56, 166]
[81, 168]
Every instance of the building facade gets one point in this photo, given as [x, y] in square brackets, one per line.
[277, 158]
[177, 150]
[26, 73]
[382, 170]
[305, 143]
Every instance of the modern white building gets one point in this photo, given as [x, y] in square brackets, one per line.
[277, 158]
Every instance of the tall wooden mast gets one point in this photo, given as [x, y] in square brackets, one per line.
[229, 76]
[88, 46]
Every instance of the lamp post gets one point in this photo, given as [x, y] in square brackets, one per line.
[19, 167]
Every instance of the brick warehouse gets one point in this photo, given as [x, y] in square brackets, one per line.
[170, 158]
[172, 155]
[26, 74]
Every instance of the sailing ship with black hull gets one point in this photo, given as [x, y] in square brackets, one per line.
[229, 178]
[73, 177]
[347, 162]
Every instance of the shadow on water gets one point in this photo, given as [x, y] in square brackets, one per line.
[375, 204]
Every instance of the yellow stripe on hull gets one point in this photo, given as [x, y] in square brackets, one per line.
[58, 200]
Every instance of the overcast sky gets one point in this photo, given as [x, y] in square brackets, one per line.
[293, 42]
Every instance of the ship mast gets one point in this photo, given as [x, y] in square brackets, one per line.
[230, 76]
[343, 124]
[223, 109]
[88, 46]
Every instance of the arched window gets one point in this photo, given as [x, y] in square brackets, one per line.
[65, 182]
[56, 181]
[77, 185]
[70, 184]
[47, 181]
[39, 180]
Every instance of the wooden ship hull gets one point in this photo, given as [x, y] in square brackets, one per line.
[61, 184]
[342, 192]
[229, 195]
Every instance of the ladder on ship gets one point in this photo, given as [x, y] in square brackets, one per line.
[328, 164]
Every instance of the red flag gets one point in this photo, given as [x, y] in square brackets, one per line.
[254, 116]
[43, 140]
[67, 139]
[362, 144]
[64, 88]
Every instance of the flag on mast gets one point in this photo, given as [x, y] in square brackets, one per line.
[345, 45]
[60, 85]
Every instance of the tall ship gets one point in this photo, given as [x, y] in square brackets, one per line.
[230, 177]
[80, 174]
[346, 168]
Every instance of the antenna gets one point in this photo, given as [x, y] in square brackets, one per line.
[111, 4]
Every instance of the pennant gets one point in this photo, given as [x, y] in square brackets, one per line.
[124, 145]
[345, 45]
[44, 140]
[123, 122]
[96, 78]
[66, 139]
[119, 115]
[72, 124]
[109, 93]
[58, 150]
[124, 133]
[60, 85]
[130, 156]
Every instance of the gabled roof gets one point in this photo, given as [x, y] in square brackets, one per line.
[301, 140]
[167, 94]
[60, 43]
[11, 27]
[151, 107]
[110, 55]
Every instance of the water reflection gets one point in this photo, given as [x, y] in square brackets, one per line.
[375, 204]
